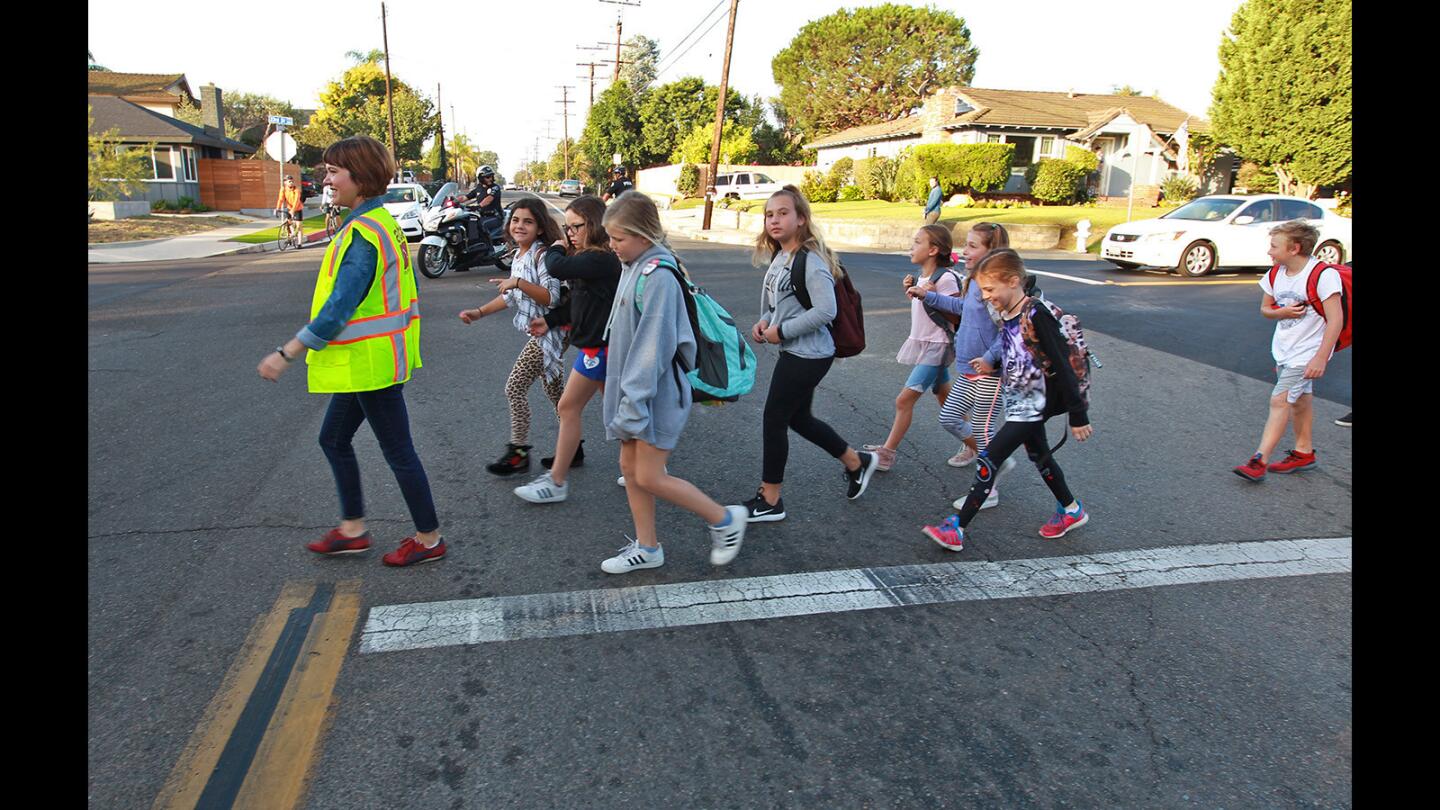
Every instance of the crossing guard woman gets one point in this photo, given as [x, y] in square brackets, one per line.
[361, 344]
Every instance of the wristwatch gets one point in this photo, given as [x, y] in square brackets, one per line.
[280, 350]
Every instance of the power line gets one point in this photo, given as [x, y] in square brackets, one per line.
[701, 38]
[703, 18]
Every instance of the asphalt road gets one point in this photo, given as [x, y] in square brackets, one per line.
[205, 482]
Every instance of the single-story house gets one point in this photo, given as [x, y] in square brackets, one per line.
[158, 92]
[177, 145]
[1133, 135]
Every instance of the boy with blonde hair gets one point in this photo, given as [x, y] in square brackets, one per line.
[1303, 343]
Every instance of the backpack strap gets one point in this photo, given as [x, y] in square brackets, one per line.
[939, 318]
[1312, 286]
[1274, 271]
[797, 277]
[678, 365]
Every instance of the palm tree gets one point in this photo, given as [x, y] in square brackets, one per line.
[361, 57]
[94, 66]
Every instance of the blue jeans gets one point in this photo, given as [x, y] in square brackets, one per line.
[385, 410]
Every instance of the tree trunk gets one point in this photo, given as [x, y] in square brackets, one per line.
[1286, 180]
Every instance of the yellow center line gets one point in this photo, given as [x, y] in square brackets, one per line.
[202, 752]
[280, 771]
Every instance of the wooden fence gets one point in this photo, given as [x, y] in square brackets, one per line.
[230, 185]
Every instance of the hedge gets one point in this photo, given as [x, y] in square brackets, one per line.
[843, 171]
[969, 167]
[1081, 156]
[688, 183]
[1056, 181]
[819, 188]
[876, 177]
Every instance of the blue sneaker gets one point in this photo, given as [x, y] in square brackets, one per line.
[947, 534]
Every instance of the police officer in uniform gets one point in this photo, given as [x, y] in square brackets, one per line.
[488, 193]
[621, 185]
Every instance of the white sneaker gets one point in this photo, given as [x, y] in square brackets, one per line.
[725, 542]
[963, 457]
[633, 558]
[543, 490]
[993, 499]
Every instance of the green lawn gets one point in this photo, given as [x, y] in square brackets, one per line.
[309, 226]
[1101, 219]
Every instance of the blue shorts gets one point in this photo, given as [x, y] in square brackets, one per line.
[590, 363]
[931, 377]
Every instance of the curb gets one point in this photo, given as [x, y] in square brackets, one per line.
[319, 237]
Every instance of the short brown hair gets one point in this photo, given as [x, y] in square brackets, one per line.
[1298, 232]
[939, 237]
[370, 164]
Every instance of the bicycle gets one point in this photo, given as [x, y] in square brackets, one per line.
[290, 232]
[332, 221]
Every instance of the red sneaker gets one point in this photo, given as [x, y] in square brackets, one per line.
[1252, 470]
[1062, 522]
[411, 552]
[336, 543]
[1293, 462]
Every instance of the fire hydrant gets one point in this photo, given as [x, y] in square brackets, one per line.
[1082, 235]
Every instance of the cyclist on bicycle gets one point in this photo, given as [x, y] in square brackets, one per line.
[289, 201]
[327, 200]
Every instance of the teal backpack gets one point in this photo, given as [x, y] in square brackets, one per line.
[725, 366]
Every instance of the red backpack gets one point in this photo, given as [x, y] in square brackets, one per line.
[848, 328]
[1312, 293]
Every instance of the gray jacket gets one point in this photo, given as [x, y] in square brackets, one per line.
[642, 398]
[803, 332]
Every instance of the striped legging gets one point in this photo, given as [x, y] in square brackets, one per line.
[529, 366]
[973, 408]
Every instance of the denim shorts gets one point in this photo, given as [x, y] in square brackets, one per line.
[590, 363]
[1290, 381]
[931, 377]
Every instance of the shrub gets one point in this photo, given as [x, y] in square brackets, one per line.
[820, 188]
[1081, 156]
[876, 177]
[973, 167]
[688, 183]
[909, 186]
[1179, 188]
[1055, 181]
[162, 205]
[1343, 208]
[843, 171]
[185, 204]
[850, 194]
[1257, 178]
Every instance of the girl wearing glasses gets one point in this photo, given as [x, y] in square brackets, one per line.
[584, 261]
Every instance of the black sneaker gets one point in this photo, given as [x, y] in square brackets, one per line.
[758, 510]
[860, 478]
[578, 461]
[516, 459]
[1344, 421]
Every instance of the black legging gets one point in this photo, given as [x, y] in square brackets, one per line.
[792, 388]
[1009, 438]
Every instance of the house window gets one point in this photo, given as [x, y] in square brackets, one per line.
[164, 163]
[992, 138]
[187, 156]
[1047, 147]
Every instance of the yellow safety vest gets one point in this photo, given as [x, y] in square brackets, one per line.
[380, 344]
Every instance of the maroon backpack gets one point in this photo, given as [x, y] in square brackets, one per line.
[848, 328]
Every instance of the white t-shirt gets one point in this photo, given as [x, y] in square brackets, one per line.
[327, 196]
[1298, 339]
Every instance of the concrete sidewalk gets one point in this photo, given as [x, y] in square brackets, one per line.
[725, 229]
[192, 246]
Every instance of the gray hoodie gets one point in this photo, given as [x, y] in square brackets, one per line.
[642, 399]
[803, 332]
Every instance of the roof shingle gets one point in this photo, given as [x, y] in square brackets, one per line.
[135, 123]
[110, 83]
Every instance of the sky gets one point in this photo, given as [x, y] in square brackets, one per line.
[500, 65]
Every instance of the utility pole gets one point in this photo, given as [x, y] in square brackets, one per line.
[440, 107]
[618, 26]
[565, 103]
[719, 120]
[591, 65]
[389, 101]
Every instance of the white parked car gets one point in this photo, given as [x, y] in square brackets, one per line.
[1222, 230]
[405, 202]
[571, 188]
[744, 185]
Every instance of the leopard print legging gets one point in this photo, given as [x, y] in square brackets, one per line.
[529, 366]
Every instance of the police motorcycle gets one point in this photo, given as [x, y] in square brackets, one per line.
[456, 238]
